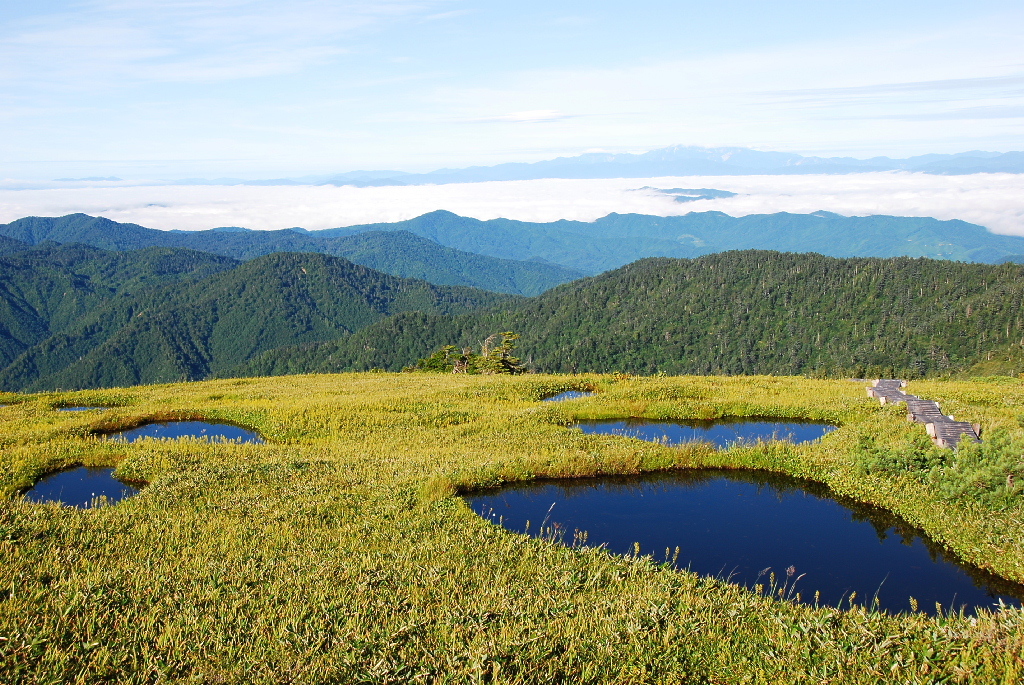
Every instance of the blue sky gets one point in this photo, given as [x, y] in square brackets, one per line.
[173, 88]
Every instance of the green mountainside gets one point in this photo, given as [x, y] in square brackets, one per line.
[121, 318]
[112, 235]
[398, 253]
[618, 239]
[9, 245]
[46, 289]
[405, 254]
[749, 312]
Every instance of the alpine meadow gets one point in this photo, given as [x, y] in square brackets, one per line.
[339, 551]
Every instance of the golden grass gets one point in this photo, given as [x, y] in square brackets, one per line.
[338, 552]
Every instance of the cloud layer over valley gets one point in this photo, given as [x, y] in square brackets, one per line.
[995, 201]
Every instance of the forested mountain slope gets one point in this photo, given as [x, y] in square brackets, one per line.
[46, 289]
[9, 245]
[747, 312]
[405, 254]
[398, 253]
[191, 328]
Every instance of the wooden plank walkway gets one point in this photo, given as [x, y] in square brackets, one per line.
[944, 430]
[925, 411]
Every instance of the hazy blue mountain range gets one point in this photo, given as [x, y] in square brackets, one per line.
[397, 253]
[678, 160]
[521, 257]
[76, 316]
[725, 161]
[619, 239]
[361, 179]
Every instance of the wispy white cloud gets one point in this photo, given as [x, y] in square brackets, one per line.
[119, 44]
[992, 200]
[535, 116]
[1013, 84]
[871, 93]
[440, 16]
[964, 113]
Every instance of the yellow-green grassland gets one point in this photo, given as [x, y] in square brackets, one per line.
[339, 551]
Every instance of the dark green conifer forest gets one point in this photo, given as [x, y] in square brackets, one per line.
[746, 312]
[80, 317]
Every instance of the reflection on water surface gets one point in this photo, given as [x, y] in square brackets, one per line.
[721, 432]
[569, 395]
[745, 525]
[80, 487]
[218, 432]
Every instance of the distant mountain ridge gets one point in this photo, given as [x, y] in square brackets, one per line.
[681, 160]
[676, 160]
[399, 254]
[618, 239]
[522, 257]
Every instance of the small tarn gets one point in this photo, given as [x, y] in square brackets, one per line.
[203, 430]
[569, 395]
[795, 538]
[80, 408]
[81, 487]
[721, 432]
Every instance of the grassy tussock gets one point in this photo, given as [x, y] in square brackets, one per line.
[338, 552]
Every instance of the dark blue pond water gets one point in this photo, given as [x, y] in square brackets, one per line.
[721, 432]
[744, 525]
[79, 408]
[569, 395]
[219, 432]
[79, 487]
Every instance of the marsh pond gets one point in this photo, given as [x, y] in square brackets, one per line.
[203, 430]
[569, 395]
[745, 526]
[81, 487]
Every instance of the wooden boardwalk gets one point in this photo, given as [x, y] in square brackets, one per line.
[943, 429]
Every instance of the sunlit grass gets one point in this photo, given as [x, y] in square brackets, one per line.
[338, 553]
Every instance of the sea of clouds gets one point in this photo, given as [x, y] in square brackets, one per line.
[995, 201]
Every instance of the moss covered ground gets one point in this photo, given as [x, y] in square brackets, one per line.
[339, 552]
